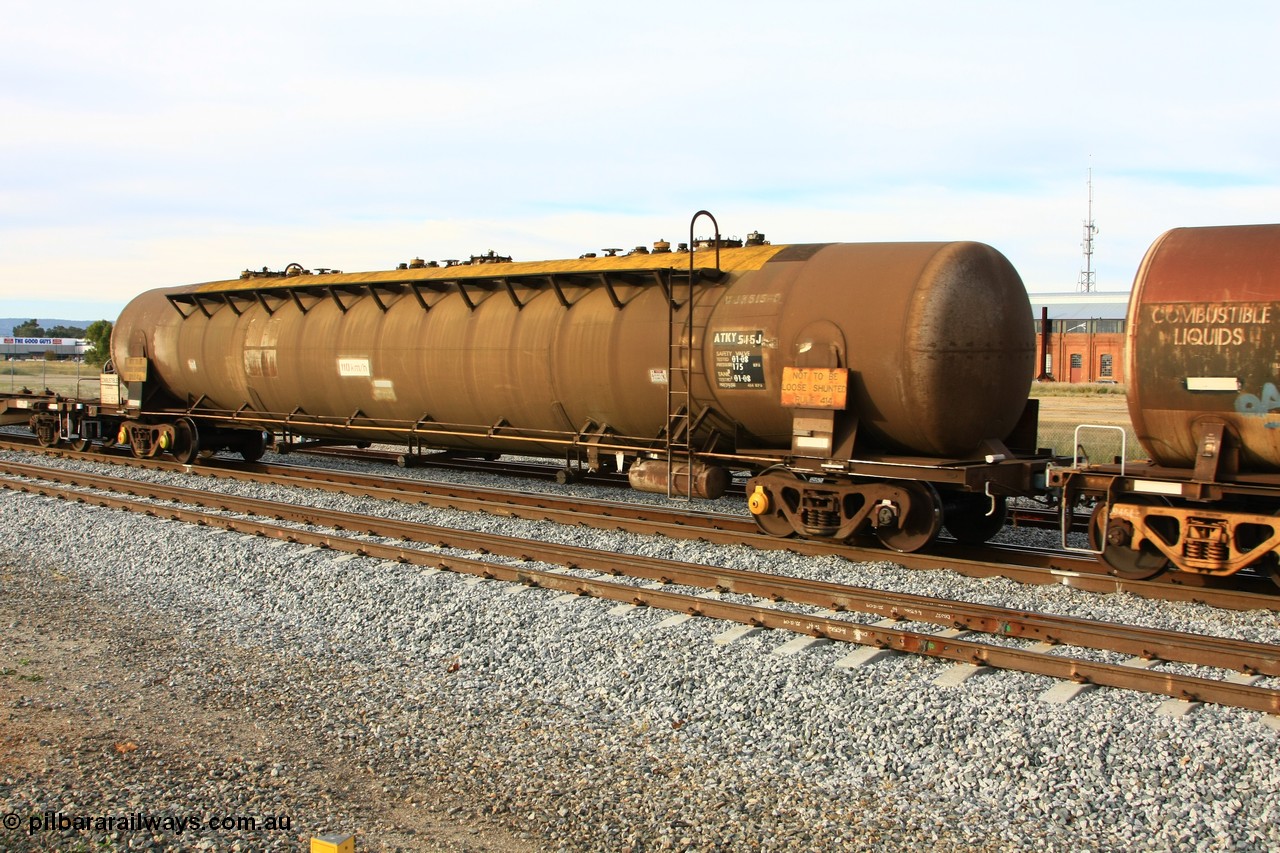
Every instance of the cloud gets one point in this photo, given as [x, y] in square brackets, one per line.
[151, 144]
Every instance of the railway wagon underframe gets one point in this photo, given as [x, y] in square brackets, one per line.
[1148, 519]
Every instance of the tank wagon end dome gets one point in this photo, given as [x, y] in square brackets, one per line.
[940, 342]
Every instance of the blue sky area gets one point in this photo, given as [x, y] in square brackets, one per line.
[149, 144]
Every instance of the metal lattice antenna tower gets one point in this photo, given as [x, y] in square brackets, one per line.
[1087, 275]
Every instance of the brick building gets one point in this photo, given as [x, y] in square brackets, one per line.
[1086, 336]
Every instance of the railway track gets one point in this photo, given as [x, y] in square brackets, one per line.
[814, 608]
[1021, 564]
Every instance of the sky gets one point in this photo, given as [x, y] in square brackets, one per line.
[150, 144]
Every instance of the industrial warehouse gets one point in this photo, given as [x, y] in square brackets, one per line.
[42, 347]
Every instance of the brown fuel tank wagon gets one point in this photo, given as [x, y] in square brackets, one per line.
[936, 335]
[898, 362]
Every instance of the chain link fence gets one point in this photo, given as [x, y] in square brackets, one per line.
[1099, 445]
[1064, 407]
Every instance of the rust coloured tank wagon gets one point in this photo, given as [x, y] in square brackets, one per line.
[1203, 338]
[867, 387]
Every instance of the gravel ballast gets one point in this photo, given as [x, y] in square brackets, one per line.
[423, 710]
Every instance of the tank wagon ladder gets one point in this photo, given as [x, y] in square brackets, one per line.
[680, 362]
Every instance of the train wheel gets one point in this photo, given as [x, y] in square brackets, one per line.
[1251, 536]
[965, 517]
[186, 441]
[80, 445]
[1270, 564]
[1272, 571]
[919, 525]
[1124, 562]
[46, 430]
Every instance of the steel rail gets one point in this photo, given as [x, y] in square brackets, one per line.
[1244, 656]
[1023, 565]
[1187, 687]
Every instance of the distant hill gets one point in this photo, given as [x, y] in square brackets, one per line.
[7, 323]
